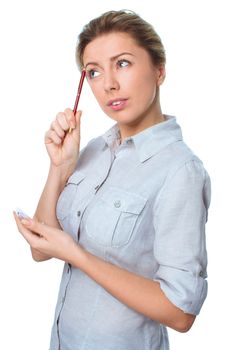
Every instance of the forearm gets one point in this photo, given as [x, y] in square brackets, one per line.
[46, 208]
[141, 294]
[137, 292]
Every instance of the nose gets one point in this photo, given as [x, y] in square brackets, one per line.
[110, 82]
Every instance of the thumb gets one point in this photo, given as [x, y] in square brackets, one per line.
[76, 130]
[37, 227]
[78, 119]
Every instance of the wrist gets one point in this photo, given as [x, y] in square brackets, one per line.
[62, 172]
[78, 257]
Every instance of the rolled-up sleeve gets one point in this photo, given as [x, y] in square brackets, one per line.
[180, 215]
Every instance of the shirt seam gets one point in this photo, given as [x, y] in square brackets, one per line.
[170, 177]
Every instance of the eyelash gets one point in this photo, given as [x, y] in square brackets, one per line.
[89, 73]
[123, 60]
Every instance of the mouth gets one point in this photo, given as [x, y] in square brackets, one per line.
[117, 104]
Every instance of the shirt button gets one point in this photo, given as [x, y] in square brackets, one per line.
[78, 213]
[117, 204]
[201, 274]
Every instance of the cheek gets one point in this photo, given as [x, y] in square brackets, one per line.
[147, 91]
[97, 91]
[141, 84]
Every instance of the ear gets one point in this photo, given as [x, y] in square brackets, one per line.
[160, 75]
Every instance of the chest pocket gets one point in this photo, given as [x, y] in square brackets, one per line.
[67, 196]
[112, 218]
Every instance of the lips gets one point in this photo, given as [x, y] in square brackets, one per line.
[117, 103]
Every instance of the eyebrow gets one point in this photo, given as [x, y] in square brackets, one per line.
[111, 59]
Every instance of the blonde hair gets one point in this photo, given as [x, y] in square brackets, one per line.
[124, 21]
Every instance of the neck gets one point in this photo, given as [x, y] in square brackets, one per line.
[151, 118]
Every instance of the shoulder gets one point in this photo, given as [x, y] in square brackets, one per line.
[181, 161]
[188, 168]
[185, 170]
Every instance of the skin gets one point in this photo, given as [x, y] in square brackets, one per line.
[120, 68]
[109, 78]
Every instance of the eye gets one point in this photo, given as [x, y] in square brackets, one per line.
[123, 63]
[92, 73]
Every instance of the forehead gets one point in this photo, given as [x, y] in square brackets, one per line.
[108, 45]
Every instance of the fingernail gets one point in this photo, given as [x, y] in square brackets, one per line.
[25, 222]
[72, 125]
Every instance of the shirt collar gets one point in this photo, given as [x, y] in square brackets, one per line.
[149, 141]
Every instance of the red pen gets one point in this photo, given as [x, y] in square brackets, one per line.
[78, 93]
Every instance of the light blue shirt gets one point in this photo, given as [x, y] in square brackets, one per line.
[141, 205]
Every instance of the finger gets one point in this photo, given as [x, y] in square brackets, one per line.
[52, 137]
[78, 119]
[30, 237]
[38, 228]
[18, 220]
[55, 126]
[78, 122]
[70, 118]
[62, 119]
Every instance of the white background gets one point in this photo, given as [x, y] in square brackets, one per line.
[39, 77]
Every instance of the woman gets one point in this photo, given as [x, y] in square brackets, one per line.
[127, 213]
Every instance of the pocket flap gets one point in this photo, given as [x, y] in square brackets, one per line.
[76, 177]
[123, 200]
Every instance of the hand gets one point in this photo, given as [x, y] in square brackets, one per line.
[49, 240]
[62, 146]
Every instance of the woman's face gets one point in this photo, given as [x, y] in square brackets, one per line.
[123, 78]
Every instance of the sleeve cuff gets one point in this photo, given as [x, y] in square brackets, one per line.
[184, 290]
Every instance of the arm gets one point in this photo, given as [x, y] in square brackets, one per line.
[63, 149]
[141, 294]
[179, 218]
[176, 294]
[46, 208]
